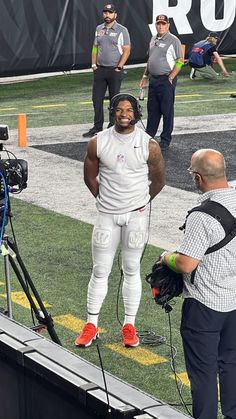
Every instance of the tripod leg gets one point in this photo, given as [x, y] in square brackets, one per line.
[27, 284]
[8, 286]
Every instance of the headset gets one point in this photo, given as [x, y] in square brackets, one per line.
[134, 102]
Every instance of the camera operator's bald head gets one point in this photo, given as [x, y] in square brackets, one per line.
[209, 164]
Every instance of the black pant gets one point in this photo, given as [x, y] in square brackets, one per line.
[104, 77]
[161, 97]
[209, 341]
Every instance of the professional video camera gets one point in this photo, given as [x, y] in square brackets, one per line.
[14, 171]
[165, 284]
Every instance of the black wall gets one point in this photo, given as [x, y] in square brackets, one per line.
[41, 380]
[44, 35]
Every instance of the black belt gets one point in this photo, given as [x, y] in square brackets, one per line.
[158, 77]
[106, 66]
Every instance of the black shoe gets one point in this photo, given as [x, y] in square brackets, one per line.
[163, 145]
[93, 131]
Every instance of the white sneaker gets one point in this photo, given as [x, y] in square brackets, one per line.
[192, 74]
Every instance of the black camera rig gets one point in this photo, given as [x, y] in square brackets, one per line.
[14, 171]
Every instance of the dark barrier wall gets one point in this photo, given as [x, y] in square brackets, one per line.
[56, 35]
[41, 380]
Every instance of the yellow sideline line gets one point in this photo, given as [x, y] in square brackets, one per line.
[72, 323]
[20, 298]
[191, 95]
[224, 93]
[56, 105]
[140, 355]
[184, 379]
[8, 109]
[89, 102]
[183, 376]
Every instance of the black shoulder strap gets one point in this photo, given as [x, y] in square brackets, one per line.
[223, 216]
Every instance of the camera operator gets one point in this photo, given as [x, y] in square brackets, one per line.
[209, 309]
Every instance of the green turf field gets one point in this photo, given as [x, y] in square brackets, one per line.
[66, 99]
[56, 249]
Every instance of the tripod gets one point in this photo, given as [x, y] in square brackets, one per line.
[12, 257]
[13, 178]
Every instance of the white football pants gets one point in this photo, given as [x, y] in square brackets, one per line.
[109, 230]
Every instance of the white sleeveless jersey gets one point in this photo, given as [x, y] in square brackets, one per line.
[123, 170]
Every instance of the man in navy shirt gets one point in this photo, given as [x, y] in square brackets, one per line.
[164, 63]
[203, 56]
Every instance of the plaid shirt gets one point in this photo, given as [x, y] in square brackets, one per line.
[215, 278]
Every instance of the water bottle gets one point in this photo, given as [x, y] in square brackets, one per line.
[141, 94]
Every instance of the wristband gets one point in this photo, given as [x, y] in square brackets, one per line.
[179, 64]
[94, 65]
[145, 76]
[172, 263]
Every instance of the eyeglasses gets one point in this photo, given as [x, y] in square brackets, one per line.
[193, 172]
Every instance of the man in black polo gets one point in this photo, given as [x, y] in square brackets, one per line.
[110, 52]
[164, 63]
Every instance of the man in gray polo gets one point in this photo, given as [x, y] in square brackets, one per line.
[164, 63]
[110, 52]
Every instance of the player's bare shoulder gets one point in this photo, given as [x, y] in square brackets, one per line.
[92, 148]
[154, 150]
